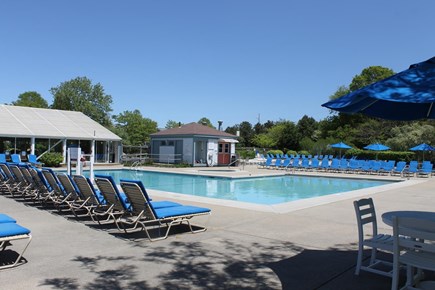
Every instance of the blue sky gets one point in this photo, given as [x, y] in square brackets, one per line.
[230, 60]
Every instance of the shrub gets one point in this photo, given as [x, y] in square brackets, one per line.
[52, 159]
[274, 152]
[246, 154]
[292, 152]
[304, 152]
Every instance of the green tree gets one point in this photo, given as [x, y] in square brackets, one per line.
[410, 135]
[133, 128]
[306, 127]
[172, 124]
[263, 141]
[369, 76]
[269, 124]
[205, 121]
[341, 91]
[81, 95]
[246, 133]
[285, 135]
[259, 128]
[233, 129]
[307, 144]
[31, 99]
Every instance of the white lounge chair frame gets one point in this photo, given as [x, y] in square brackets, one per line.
[5, 242]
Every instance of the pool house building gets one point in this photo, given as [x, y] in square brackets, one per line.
[193, 144]
[27, 130]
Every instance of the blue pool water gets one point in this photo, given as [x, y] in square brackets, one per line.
[260, 190]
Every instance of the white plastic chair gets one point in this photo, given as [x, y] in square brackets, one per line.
[414, 246]
[366, 216]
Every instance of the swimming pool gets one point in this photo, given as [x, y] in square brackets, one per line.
[258, 190]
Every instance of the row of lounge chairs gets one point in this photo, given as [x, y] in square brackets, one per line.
[291, 156]
[352, 166]
[130, 209]
[16, 158]
[260, 159]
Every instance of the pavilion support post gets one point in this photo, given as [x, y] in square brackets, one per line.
[64, 151]
[32, 145]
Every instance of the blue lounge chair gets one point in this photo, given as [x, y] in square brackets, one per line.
[375, 167]
[344, 165]
[353, 166]
[314, 164]
[9, 183]
[57, 193]
[267, 163]
[324, 165]
[399, 169]
[146, 215]
[425, 170]
[305, 164]
[277, 164]
[79, 202]
[4, 218]
[294, 163]
[24, 187]
[2, 158]
[335, 165]
[16, 158]
[366, 166]
[387, 167]
[285, 163]
[32, 160]
[11, 231]
[412, 169]
[97, 205]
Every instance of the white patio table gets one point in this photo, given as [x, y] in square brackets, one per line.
[387, 217]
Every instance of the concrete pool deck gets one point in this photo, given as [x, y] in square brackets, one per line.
[312, 247]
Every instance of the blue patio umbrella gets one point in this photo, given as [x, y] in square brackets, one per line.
[408, 95]
[377, 147]
[422, 147]
[340, 145]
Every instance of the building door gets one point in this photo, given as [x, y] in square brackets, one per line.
[224, 154]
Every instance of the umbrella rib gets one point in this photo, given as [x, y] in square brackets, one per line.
[430, 110]
[369, 105]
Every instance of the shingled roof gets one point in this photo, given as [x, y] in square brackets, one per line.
[193, 129]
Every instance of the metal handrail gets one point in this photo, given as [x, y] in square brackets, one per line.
[236, 160]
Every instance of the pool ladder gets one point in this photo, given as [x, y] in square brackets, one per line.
[136, 164]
